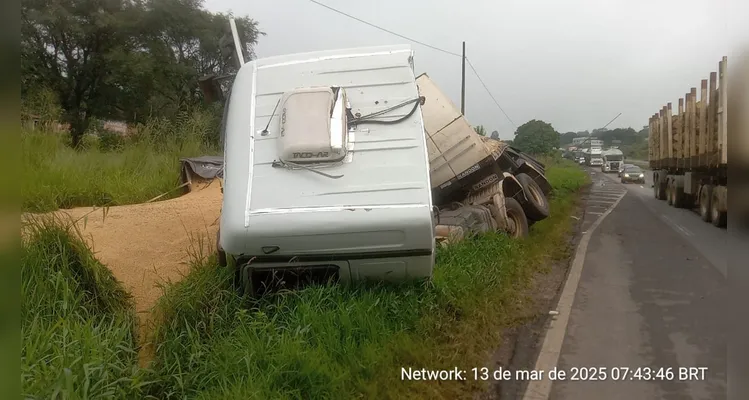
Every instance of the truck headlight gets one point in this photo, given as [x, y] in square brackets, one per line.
[626, 175]
[642, 175]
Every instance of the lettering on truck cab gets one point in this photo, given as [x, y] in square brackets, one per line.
[486, 182]
[322, 154]
[469, 171]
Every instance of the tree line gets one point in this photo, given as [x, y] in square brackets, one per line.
[540, 137]
[610, 137]
[127, 60]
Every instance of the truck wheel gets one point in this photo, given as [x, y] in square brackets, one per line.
[670, 193]
[706, 194]
[718, 217]
[656, 184]
[660, 188]
[678, 195]
[516, 218]
[536, 206]
[663, 190]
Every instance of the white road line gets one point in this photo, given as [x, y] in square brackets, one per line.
[674, 225]
[608, 191]
[552, 345]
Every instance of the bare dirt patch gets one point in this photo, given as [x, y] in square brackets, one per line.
[148, 245]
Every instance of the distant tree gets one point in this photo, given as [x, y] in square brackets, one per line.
[536, 137]
[68, 47]
[480, 130]
[566, 138]
[122, 59]
[495, 135]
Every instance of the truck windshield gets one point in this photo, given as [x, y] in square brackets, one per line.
[614, 158]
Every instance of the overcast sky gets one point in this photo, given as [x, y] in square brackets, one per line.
[573, 63]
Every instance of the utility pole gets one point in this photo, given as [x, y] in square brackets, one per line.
[237, 45]
[617, 116]
[463, 83]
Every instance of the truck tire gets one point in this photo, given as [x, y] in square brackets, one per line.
[662, 191]
[678, 194]
[517, 219]
[536, 206]
[660, 186]
[718, 217]
[706, 195]
[670, 192]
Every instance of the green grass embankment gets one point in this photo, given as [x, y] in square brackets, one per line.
[341, 343]
[110, 170]
[321, 342]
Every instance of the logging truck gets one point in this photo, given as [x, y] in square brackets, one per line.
[688, 151]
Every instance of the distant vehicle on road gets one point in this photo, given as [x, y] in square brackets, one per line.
[612, 159]
[622, 167]
[634, 174]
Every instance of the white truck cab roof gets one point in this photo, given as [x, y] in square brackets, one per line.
[325, 154]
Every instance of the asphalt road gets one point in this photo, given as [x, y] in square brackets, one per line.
[650, 298]
[713, 243]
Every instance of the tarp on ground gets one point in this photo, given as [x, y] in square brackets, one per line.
[204, 168]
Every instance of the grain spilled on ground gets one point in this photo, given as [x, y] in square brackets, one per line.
[147, 245]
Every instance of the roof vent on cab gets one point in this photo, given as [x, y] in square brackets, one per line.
[313, 125]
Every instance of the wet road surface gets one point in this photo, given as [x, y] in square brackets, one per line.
[649, 302]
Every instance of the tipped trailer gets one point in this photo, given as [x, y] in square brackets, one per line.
[688, 150]
[475, 177]
[326, 171]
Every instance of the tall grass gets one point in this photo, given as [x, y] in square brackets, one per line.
[76, 320]
[107, 171]
[329, 342]
[340, 343]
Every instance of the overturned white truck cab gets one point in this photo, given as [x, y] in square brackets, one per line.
[326, 170]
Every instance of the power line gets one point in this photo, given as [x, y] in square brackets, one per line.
[425, 45]
[385, 30]
[490, 93]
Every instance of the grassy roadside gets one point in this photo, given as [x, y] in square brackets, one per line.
[111, 170]
[76, 320]
[336, 342]
[321, 342]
